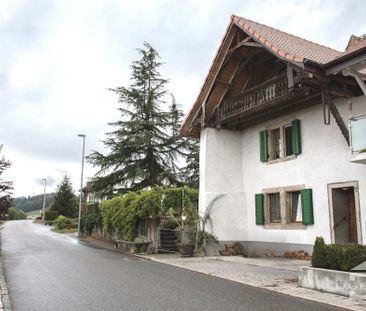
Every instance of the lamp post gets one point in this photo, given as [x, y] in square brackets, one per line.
[44, 198]
[81, 179]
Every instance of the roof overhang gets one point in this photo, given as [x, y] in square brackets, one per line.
[186, 128]
[356, 59]
[352, 64]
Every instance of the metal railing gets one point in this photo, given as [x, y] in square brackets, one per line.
[167, 240]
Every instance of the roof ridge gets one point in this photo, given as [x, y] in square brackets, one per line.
[287, 33]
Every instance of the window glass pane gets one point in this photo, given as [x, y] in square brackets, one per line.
[275, 207]
[276, 143]
[295, 206]
[288, 140]
[358, 131]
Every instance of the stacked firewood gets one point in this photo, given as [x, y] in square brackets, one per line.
[300, 255]
[231, 250]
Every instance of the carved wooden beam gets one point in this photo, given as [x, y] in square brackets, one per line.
[359, 77]
[244, 43]
[223, 82]
[290, 76]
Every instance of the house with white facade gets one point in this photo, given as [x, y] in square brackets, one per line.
[282, 127]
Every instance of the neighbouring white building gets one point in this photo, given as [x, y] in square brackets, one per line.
[282, 128]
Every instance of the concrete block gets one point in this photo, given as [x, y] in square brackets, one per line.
[348, 284]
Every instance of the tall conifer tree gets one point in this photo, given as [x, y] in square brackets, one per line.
[191, 171]
[143, 149]
[65, 199]
[6, 188]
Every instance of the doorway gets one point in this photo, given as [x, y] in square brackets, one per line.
[344, 213]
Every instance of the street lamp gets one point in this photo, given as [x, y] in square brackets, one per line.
[81, 179]
[44, 197]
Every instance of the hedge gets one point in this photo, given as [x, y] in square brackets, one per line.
[120, 214]
[342, 257]
[16, 214]
[50, 215]
[90, 219]
[62, 222]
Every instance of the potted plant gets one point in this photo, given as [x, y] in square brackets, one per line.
[185, 243]
[205, 239]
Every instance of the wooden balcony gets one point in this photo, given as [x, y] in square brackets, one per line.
[268, 92]
[265, 101]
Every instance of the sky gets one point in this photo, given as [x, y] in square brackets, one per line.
[58, 59]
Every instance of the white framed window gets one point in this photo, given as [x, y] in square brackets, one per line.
[274, 207]
[282, 207]
[294, 206]
[281, 141]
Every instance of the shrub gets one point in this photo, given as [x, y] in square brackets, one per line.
[126, 216]
[319, 258]
[120, 214]
[341, 257]
[108, 209]
[16, 214]
[344, 257]
[148, 203]
[62, 222]
[91, 218]
[173, 201]
[50, 215]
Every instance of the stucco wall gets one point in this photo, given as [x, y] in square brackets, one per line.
[221, 173]
[230, 164]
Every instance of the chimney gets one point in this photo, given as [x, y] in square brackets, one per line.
[354, 41]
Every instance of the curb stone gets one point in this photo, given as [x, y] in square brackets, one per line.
[5, 300]
[5, 304]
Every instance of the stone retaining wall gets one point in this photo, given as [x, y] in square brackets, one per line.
[337, 282]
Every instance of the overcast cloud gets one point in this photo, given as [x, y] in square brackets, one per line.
[57, 58]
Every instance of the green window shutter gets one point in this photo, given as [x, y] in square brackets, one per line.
[259, 209]
[296, 136]
[263, 138]
[307, 206]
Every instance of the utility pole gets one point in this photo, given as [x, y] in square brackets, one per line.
[81, 179]
[44, 198]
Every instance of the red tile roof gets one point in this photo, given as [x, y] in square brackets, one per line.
[285, 45]
[355, 43]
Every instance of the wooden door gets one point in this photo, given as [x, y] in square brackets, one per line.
[352, 221]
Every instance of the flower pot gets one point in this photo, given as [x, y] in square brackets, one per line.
[211, 249]
[186, 250]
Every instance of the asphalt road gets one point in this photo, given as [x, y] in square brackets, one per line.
[50, 271]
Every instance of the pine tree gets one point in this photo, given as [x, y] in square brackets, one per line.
[178, 143]
[65, 202]
[189, 148]
[5, 188]
[142, 152]
[191, 171]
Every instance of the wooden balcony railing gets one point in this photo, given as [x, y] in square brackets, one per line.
[269, 91]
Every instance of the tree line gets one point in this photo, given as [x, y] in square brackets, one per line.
[32, 203]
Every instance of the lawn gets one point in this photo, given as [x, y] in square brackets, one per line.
[35, 213]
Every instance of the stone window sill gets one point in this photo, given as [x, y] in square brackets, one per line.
[291, 226]
[285, 159]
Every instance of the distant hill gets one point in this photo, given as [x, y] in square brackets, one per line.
[32, 203]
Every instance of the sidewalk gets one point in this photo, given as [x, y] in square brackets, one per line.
[276, 274]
